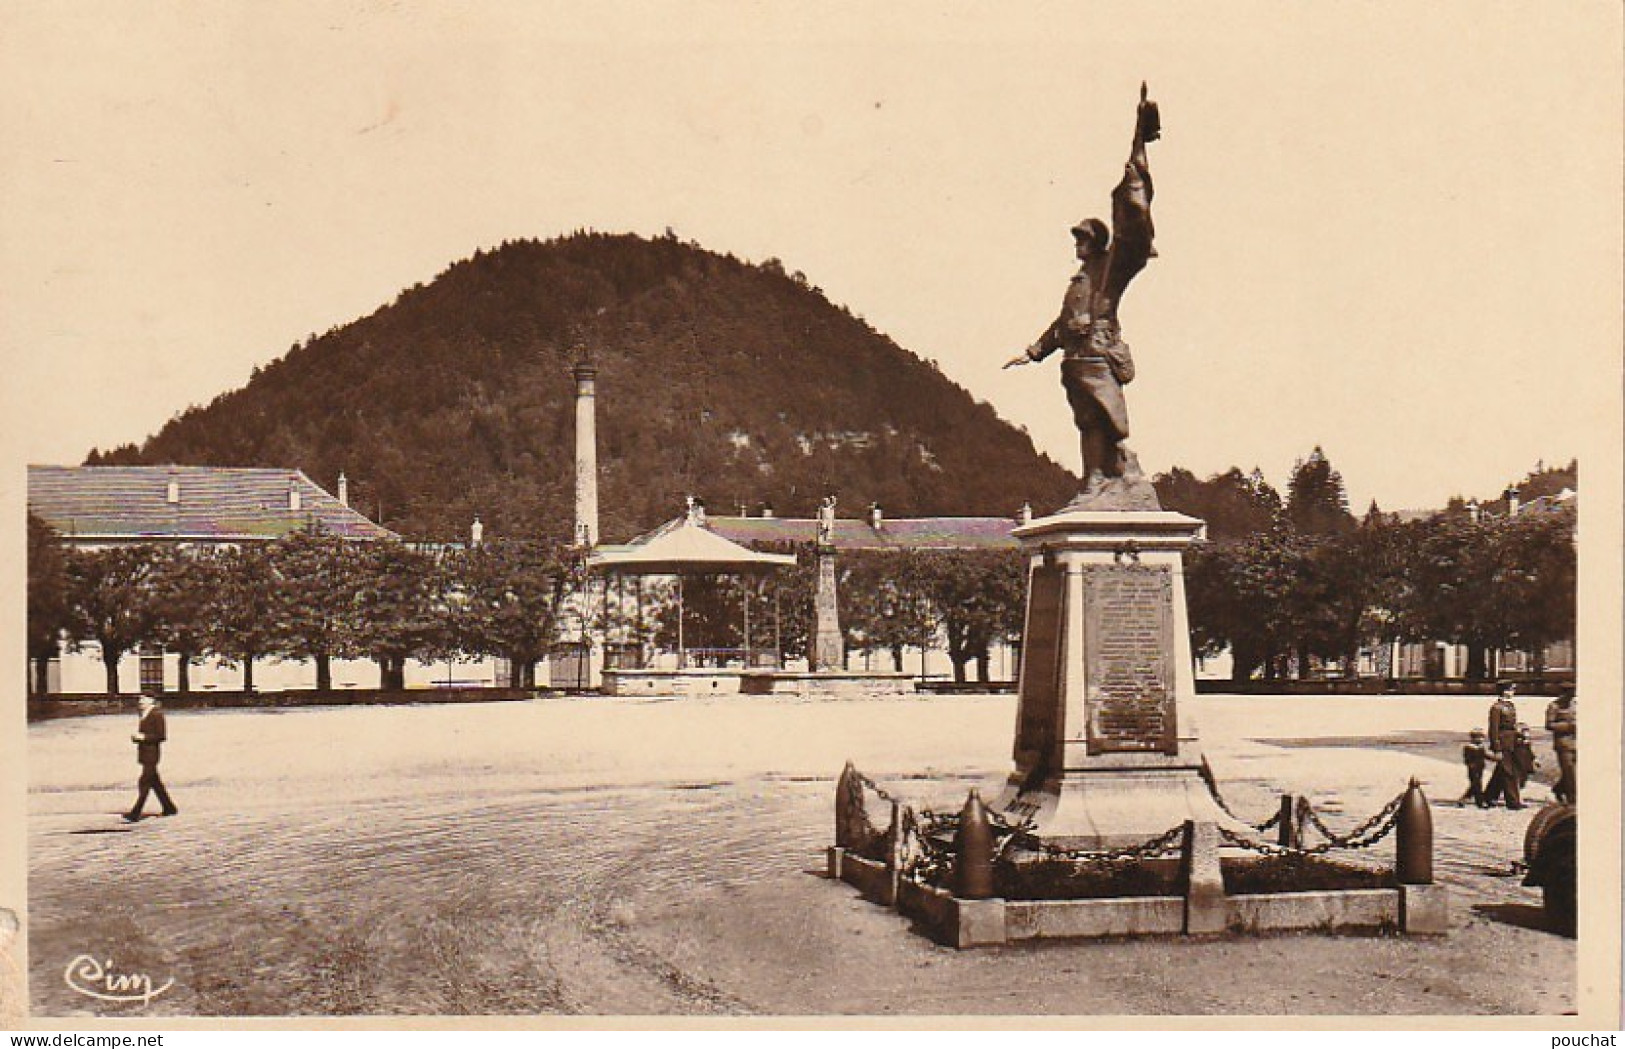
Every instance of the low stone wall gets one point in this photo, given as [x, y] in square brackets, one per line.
[1126, 916]
[701, 682]
[873, 879]
[1412, 909]
[1345, 909]
[1374, 686]
[938, 686]
[44, 708]
[826, 683]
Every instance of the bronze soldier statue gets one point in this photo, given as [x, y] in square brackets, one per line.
[1096, 364]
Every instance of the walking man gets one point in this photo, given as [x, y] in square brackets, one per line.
[1561, 722]
[148, 739]
[1503, 733]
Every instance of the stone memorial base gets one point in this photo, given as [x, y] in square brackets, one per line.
[1112, 809]
[1106, 752]
[1109, 769]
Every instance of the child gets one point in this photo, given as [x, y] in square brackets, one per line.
[1525, 756]
[1475, 755]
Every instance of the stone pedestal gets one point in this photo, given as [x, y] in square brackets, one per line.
[1106, 751]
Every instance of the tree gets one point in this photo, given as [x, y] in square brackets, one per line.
[1238, 598]
[1535, 578]
[1451, 587]
[110, 602]
[48, 611]
[242, 613]
[884, 605]
[978, 598]
[316, 575]
[1332, 592]
[1234, 505]
[400, 604]
[506, 599]
[1316, 502]
[185, 584]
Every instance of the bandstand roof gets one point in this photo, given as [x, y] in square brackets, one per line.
[684, 547]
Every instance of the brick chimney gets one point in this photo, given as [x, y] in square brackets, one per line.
[344, 489]
[294, 503]
[876, 518]
[172, 495]
[476, 532]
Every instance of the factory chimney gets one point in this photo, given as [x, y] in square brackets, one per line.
[586, 533]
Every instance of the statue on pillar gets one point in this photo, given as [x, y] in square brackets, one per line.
[1096, 363]
[826, 521]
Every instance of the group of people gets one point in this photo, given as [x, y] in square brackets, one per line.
[1507, 746]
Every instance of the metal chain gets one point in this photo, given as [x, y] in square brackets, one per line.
[926, 858]
[1349, 840]
[885, 795]
[1218, 799]
[1364, 836]
[1151, 847]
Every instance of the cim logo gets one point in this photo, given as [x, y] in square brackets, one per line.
[97, 979]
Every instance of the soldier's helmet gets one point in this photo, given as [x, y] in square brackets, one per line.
[1095, 231]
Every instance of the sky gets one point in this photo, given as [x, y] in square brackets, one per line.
[1391, 230]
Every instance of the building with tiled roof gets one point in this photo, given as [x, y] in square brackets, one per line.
[872, 533]
[110, 505]
[95, 507]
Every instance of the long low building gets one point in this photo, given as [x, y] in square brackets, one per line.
[877, 532]
[99, 507]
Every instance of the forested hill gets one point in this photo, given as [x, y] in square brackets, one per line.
[732, 381]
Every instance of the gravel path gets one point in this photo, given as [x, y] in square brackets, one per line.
[662, 857]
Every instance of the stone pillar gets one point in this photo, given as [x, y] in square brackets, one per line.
[827, 646]
[586, 530]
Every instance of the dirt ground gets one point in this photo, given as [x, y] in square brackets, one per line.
[591, 856]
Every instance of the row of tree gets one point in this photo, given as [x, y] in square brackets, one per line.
[1282, 599]
[314, 597]
[308, 596]
[1300, 583]
[1285, 585]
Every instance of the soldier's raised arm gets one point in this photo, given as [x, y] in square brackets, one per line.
[1133, 234]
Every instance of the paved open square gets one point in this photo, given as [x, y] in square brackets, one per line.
[647, 856]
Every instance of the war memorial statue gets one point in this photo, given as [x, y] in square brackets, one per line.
[1096, 362]
[1109, 775]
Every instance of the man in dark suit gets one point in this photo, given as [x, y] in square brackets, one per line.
[1561, 718]
[148, 739]
[1503, 739]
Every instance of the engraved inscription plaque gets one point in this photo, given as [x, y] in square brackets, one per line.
[1128, 659]
[1039, 714]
